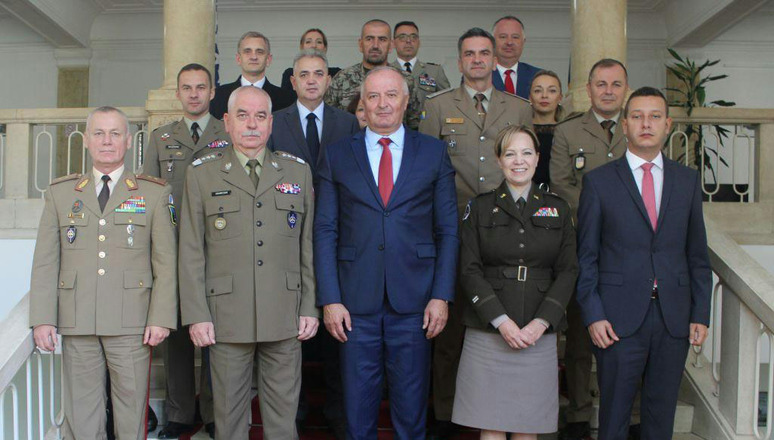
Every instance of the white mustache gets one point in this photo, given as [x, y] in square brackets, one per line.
[252, 133]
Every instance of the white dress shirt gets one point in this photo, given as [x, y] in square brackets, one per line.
[374, 150]
[258, 83]
[514, 75]
[303, 112]
[635, 163]
[203, 121]
[402, 63]
[114, 176]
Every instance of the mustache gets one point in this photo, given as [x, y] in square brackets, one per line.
[256, 133]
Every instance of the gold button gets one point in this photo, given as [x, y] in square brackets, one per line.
[61, 284]
[102, 222]
[101, 271]
[102, 254]
[101, 238]
[140, 283]
[130, 220]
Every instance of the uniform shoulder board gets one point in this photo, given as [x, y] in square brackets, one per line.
[156, 180]
[208, 158]
[289, 156]
[72, 176]
[432, 64]
[516, 96]
[570, 117]
[439, 93]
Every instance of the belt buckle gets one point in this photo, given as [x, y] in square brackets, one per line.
[522, 275]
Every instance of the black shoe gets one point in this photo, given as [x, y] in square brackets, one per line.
[577, 431]
[210, 428]
[442, 430]
[634, 432]
[153, 421]
[175, 430]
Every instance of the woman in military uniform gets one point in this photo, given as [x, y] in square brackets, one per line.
[517, 270]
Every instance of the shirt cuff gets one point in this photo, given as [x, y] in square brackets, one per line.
[543, 322]
[499, 320]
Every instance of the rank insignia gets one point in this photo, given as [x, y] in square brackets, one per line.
[134, 205]
[503, 195]
[427, 80]
[71, 232]
[546, 211]
[228, 166]
[165, 136]
[467, 212]
[580, 162]
[82, 185]
[495, 210]
[172, 214]
[77, 206]
[218, 144]
[220, 223]
[131, 184]
[288, 188]
[274, 164]
[292, 219]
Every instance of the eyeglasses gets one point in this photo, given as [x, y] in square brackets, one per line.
[407, 37]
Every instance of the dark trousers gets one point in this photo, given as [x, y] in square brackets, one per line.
[447, 349]
[577, 362]
[656, 358]
[395, 344]
[323, 348]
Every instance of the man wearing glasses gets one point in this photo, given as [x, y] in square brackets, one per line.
[428, 76]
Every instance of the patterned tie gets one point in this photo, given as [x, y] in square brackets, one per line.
[607, 125]
[312, 136]
[509, 82]
[479, 97]
[649, 193]
[408, 66]
[253, 164]
[104, 194]
[195, 132]
[385, 170]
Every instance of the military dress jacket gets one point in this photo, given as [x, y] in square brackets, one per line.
[429, 77]
[452, 117]
[580, 145]
[522, 264]
[171, 149]
[110, 273]
[246, 253]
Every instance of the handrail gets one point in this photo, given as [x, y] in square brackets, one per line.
[16, 345]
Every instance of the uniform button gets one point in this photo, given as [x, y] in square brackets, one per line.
[453, 130]
[102, 222]
[258, 205]
[101, 238]
[482, 138]
[61, 284]
[481, 179]
[521, 231]
[102, 254]
[141, 284]
[260, 262]
[521, 245]
[610, 154]
[386, 213]
[260, 243]
[101, 271]
[381, 247]
[259, 223]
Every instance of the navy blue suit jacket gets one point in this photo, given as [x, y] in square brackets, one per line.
[288, 135]
[620, 255]
[219, 105]
[524, 74]
[407, 249]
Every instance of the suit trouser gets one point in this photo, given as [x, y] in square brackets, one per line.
[181, 380]
[84, 362]
[650, 355]
[447, 349]
[396, 343]
[279, 382]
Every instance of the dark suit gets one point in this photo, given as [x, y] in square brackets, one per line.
[287, 85]
[620, 256]
[219, 105]
[384, 264]
[288, 135]
[524, 74]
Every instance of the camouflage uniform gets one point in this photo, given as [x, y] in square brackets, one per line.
[347, 82]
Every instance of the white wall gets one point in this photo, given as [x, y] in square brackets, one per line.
[27, 67]
[15, 267]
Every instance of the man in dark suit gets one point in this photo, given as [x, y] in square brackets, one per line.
[645, 280]
[254, 57]
[311, 39]
[385, 243]
[305, 129]
[511, 75]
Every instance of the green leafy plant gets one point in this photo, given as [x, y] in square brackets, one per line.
[692, 94]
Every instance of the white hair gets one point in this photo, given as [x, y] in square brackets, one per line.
[384, 69]
[233, 97]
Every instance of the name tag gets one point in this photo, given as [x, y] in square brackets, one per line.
[455, 120]
[221, 193]
[173, 147]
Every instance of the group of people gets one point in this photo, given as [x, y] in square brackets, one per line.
[443, 236]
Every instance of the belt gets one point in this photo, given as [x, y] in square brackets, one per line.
[518, 273]
[654, 293]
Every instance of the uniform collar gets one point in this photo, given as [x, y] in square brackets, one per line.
[203, 122]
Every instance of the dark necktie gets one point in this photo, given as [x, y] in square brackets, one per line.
[408, 66]
[480, 106]
[509, 82]
[520, 204]
[607, 125]
[312, 136]
[195, 132]
[104, 194]
[253, 165]
[385, 170]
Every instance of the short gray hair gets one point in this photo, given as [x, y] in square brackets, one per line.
[107, 109]
[233, 97]
[310, 53]
[254, 34]
[384, 69]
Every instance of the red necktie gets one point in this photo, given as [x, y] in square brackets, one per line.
[649, 193]
[385, 170]
[509, 82]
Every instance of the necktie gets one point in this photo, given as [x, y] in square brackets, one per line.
[385, 170]
[253, 164]
[480, 106]
[312, 136]
[649, 193]
[607, 125]
[509, 82]
[520, 204]
[104, 194]
[408, 66]
[195, 132]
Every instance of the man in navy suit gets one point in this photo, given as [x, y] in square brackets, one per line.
[645, 280]
[254, 57]
[385, 243]
[510, 74]
[292, 131]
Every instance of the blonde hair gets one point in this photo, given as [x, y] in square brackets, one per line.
[506, 134]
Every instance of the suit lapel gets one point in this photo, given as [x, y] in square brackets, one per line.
[466, 106]
[210, 134]
[233, 173]
[504, 201]
[406, 164]
[182, 136]
[497, 81]
[625, 173]
[361, 157]
[591, 125]
[126, 183]
[297, 131]
[329, 126]
[666, 190]
[88, 193]
[522, 79]
[270, 174]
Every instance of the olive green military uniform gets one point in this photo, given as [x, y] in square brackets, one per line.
[347, 83]
[429, 78]
[451, 116]
[246, 266]
[101, 278]
[580, 145]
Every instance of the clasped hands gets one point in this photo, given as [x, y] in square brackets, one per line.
[521, 338]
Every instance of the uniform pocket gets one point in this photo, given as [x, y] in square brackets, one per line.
[136, 299]
[223, 217]
[454, 136]
[290, 213]
[66, 293]
[72, 229]
[293, 280]
[219, 285]
[131, 230]
[172, 164]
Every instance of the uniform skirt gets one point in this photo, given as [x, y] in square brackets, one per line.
[502, 389]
